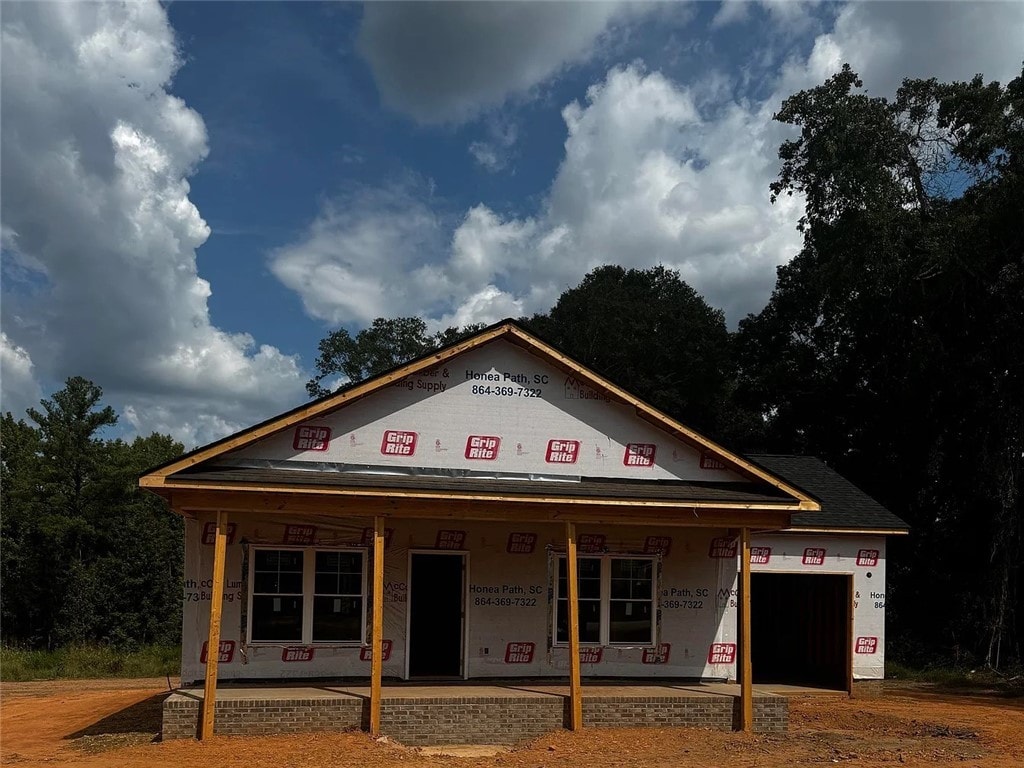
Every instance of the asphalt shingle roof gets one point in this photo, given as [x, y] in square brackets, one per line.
[843, 505]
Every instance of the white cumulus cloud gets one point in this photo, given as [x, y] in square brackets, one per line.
[96, 214]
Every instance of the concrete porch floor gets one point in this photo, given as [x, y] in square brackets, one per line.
[471, 712]
[472, 689]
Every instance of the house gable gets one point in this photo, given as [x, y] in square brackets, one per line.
[501, 402]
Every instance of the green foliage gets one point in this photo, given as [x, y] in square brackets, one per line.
[650, 332]
[386, 344]
[892, 344]
[87, 557]
[86, 661]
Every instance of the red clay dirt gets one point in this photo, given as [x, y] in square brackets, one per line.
[115, 723]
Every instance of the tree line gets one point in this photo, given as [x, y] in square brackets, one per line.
[892, 347]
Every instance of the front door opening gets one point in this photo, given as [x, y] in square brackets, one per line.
[435, 615]
[800, 628]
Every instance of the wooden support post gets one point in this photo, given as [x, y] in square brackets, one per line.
[377, 629]
[745, 671]
[220, 545]
[575, 686]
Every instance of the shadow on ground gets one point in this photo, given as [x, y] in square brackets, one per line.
[143, 717]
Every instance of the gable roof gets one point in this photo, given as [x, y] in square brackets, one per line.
[844, 506]
[508, 330]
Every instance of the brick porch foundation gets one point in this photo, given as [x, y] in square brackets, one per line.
[506, 714]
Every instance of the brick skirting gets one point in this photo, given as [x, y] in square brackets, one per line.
[466, 720]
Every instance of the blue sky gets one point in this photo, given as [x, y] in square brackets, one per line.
[194, 194]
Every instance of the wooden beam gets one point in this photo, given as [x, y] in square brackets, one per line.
[746, 670]
[220, 545]
[575, 685]
[851, 593]
[520, 510]
[377, 630]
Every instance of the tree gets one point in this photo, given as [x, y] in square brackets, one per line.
[86, 555]
[386, 344]
[650, 332]
[892, 344]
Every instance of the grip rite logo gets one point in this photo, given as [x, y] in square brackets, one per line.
[562, 451]
[519, 653]
[657, 655]
[311, 438]
[591, 655]
[396, 442]
[639, 455]
[867, 645]
[297, 654]
[590, 542]
[521, 543]
[760, 555]
[450, 540]
[722, 653]
[722, 546]
[225, 652]
[299, 534]
[210, 533]
[657, 545]
[366, 652]
[707, 461]
[482, 447]
[814, 556]
[867, 557]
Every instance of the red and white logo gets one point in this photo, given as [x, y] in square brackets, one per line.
[867, 645]
[591, 655]
[297, 654]
[210, 533]
[366, 652]
[482, 447]
[398, 443]
[311, 438]
[722, 653]
[590, 542]
[657, 655]
[225, 652]
[521, 543]
[707, 461]
[657, 545]
[562, 451]
[814, 556]
[639, 455]
[760, 555]
[299, 534]
[867, 557]
[722, 546]
[450, 539]
[367, 540]
[519, 653]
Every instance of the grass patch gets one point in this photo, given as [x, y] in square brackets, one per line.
[88, 661]
[959, 677]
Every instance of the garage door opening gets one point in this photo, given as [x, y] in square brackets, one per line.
[800, 629]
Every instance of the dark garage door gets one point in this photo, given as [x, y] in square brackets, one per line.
[800, 628]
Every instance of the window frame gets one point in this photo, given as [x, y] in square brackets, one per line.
[308, 595]
[604, 640]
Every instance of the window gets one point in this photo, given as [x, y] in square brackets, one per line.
[616, 601]
[307, 596]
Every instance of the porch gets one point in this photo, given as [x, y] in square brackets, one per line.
[468, 713]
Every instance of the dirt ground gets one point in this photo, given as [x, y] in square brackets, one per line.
[115, 723]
